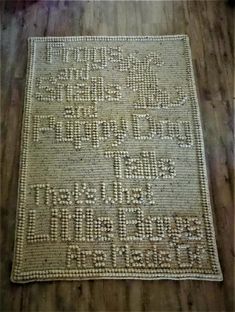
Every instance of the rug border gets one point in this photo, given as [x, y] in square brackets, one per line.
[48, 275]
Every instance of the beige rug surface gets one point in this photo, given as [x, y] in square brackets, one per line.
[113, 179]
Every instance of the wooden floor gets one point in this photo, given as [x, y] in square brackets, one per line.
[210, 28]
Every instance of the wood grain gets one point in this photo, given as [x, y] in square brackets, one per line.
[209, 25]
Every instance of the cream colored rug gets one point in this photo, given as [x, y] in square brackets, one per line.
[113, 179]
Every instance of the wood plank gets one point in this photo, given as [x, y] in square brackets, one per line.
[209, 25]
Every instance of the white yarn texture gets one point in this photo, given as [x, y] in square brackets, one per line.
[113, 180]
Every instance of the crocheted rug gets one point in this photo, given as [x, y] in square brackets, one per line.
[113, 179]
